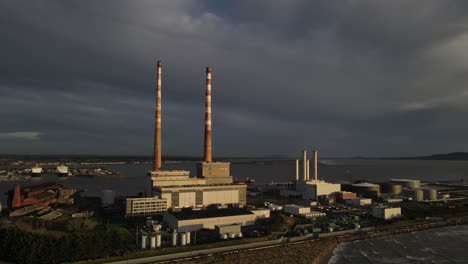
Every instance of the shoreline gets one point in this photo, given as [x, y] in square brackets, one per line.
[329, 252]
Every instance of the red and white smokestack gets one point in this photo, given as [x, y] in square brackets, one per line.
[157, 132]
[208, 148]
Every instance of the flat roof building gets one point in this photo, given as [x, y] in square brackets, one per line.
[193, 220]
[145, 206]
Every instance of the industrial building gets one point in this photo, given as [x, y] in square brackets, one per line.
[386, 213]
[145, 206]
[229, 231]
[193, 220]
[359, 201]
[341, 197]
[295, 209]
[36, 197]
[213, 184]
[312, 188]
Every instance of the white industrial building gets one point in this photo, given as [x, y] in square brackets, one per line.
[295, 209]
[312, 188]
[386, 213]
[188, 221]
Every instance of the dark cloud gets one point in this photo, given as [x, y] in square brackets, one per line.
[349, 77]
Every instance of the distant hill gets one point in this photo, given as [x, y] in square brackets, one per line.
[448, 156]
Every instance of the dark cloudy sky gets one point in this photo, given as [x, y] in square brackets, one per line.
[374, 78]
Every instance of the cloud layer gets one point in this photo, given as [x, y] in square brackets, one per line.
[378, 78]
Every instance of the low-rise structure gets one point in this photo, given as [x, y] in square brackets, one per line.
[193, 220]
[295, 209]
[386, 213]
[261, 213]
[229, 231]
[145, 206]
[313, 214]
[359, 201]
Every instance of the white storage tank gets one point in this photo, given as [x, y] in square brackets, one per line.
[107, 197]
[239, 235]
[418, 195]
[174, 238]
[152, 242]
[183, 239]
[225, 236]
[188, 237]
[430, 194]
[407, 183]
[144, 238]
[158, 240]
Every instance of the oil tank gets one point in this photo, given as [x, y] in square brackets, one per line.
[430, 194]
[152, 242]
[107, 197]
[188, 237]
[418, 195]
[225, 236]
[390, 187]
[407, 183]
[367, 189]
[240, 234]
[232, 235]
[183, 239]
[174, 238]
[144, 238]
[158, 240]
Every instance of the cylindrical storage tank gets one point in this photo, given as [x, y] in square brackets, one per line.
[232, 235]
[390, 187]
[367, 189]
[188, 237]
[158, 240]
[430, 194]
[144, 238]
[152, 242]
[107, 197]
[418, 195]
[240, 234]
[225, 236]
[408, 183]
[174, 238]
[183, 239]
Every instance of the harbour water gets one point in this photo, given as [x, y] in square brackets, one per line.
[335, 170]
[441, 245]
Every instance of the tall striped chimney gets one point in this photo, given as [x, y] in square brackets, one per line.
[208, 149]
[157, 132]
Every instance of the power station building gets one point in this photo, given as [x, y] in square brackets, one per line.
[213, 183]
[313, 188]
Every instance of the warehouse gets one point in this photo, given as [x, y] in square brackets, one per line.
[295, 209]
[193, 220]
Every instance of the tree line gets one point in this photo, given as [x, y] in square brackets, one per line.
[24, 247]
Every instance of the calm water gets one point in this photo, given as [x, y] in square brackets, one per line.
[332, 170]
[442, 245]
